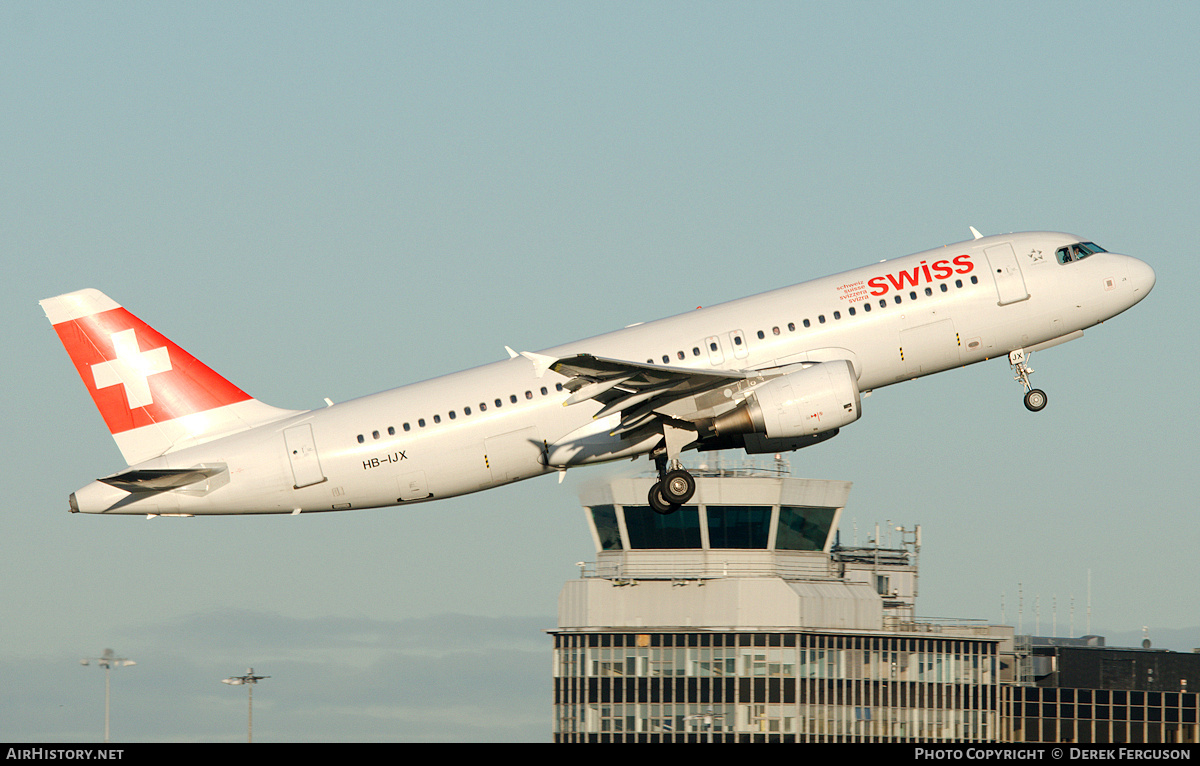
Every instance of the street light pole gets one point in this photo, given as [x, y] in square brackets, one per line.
[108, 662]
[248, 680]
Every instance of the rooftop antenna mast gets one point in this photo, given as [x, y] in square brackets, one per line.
[1089, 603]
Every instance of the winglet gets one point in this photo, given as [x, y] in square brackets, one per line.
[976, 233]
[541, 362]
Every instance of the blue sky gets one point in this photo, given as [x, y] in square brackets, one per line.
[328, 200]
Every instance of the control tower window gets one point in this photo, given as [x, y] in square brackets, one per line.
[648, 529]
[609, 532]
[739, 526]
[803, 529]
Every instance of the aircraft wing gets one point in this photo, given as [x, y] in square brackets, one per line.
[635, 390]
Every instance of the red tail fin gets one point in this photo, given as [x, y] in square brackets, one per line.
[154, 396]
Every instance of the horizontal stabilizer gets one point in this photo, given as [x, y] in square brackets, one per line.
[160, 479]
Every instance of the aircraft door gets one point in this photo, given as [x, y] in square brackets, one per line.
[1010, 283]
[302, 453]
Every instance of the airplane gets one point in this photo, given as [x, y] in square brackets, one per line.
[774, 372]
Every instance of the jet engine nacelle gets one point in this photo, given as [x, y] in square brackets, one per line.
[816, 399]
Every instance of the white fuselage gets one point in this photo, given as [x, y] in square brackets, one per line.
[501, 422]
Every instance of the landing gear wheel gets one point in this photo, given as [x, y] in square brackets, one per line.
[677, 487]
[1035, 400]
[658, 502]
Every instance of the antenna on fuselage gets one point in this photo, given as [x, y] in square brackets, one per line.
[976, 233]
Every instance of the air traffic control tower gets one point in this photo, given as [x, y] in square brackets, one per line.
[739, 617]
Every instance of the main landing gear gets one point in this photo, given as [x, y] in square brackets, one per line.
[1035, 398]
[675, 486]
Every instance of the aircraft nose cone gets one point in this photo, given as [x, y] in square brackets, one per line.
[1142, 277]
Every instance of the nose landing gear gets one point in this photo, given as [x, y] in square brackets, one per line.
[1035, 398]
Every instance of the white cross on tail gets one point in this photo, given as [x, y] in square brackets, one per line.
[132, 367]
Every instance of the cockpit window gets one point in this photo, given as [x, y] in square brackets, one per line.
[1078, 251]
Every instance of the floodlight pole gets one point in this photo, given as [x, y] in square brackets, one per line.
[108, 662]
[248, 680]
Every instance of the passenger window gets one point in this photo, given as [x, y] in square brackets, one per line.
[528, 394]
[761, 335]
[391, 430]
[466, 410]
[696, 349]
[544, 391]
[666, 359]
[912, 296]
[821, 319]
[499, 403]
[421, 422]
[482, 407]
[512, 398]
[776, 329]
[898, 299]
[866, 307]
[958, 283]
[374, 434]
[807, 323]
[361, 439]
[791, 327]
[851, 311]
[407, 427]
[437, 418]
[944, 288]
[452, 415]
[929, 291]
[883, 303]
[837, 315]
[680, 355]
